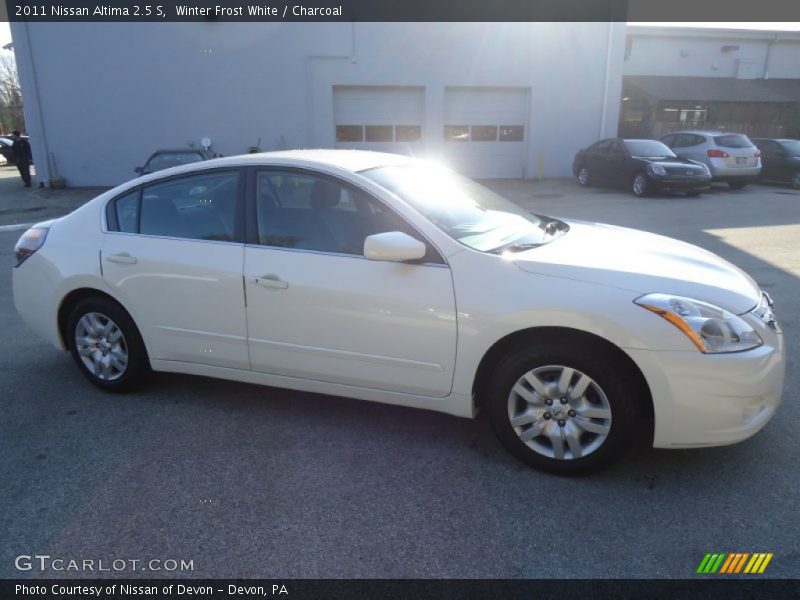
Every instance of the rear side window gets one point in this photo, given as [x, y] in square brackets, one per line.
[127, 212]
[199, 207]
[733, 141]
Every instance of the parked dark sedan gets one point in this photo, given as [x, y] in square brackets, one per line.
[174, 157]
[5, 147]
[643, 166]
[780, 160]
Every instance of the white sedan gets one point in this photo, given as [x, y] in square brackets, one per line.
[389, 279]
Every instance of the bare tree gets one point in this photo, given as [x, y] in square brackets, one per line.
[11, 115]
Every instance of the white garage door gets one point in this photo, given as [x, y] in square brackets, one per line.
[485, 130]
[381, 118]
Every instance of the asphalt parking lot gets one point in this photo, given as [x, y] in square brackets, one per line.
[247, 481]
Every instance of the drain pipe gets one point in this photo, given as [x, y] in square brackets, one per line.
[769, 53]
[609, 38]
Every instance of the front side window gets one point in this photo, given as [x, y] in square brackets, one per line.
[466, 211]
[200, 207]
[306, 212]
[127, 212]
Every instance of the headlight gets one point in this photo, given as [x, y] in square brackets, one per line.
[656, 169]
[712, 329]
[765, 312]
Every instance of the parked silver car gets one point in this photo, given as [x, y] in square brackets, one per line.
[731, 157]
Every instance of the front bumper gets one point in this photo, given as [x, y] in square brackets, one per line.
[712, 399]
[674, 184]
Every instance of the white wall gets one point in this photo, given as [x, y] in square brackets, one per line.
[700, 54]
[111, 93]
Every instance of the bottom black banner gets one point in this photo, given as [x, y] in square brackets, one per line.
[334, 589]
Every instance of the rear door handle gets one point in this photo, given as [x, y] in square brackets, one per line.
[271, 281]
[122, 258]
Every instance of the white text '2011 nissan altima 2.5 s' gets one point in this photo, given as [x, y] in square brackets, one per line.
[385, 278]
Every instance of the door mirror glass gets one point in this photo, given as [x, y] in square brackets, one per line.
[393, 246]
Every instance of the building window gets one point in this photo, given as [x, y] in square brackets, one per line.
[456, 133]
[511, 133]
[378, 133]
[484, 133]
[407, 133]
[349, 133]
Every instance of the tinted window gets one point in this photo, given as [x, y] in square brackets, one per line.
[298, 210]
[511, 133]
[456, 133]
[407, 133]
[647, 148]
[165, 160]
[668, 140]
[349, 133]
[379, 133]
[484, 133]
[602, 146]
[127, 212]
[733, 141]
[201, 207]
[792, 147]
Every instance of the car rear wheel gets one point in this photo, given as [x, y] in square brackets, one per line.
[796, 180]
[106, 345]
[563, 408]
[584, 177]
[640, 186]
[737, 185]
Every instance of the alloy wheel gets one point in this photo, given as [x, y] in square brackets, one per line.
[640, 184]
[583, 176]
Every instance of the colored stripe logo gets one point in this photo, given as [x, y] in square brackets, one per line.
[734, 562]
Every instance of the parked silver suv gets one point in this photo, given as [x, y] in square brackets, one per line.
[731, 157]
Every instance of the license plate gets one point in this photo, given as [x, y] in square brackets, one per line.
[741, 160]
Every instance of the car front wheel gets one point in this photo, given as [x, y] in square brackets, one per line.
[584, 177]
[106, 345]
[566, 409]
[796, 180]
[640, 186]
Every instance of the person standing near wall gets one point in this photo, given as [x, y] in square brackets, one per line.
[21, 150]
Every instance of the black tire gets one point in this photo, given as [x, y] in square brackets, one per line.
[137, 368]
[637, 191]
[737, 185]
[593, 359]
[584, 176]
[795, 181]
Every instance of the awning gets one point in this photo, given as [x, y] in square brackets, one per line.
[706, 89]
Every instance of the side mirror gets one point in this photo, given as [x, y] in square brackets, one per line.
[138, 170]
[393, 246]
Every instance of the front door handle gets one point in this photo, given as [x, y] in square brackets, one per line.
[271, 281]
[122, 258]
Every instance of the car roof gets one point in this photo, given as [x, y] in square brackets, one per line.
[347, 160]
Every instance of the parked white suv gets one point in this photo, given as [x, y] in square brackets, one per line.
[731, 157]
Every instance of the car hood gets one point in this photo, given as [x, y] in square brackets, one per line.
[675, 162]
[641, 262]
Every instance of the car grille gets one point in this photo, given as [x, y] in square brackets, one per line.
[691, 171]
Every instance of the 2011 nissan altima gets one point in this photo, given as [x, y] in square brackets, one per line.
[389, 279]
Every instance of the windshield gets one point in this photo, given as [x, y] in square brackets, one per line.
[165, 160]
[465, 210]
[792, 147]
[647, 149]
[733, 141]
